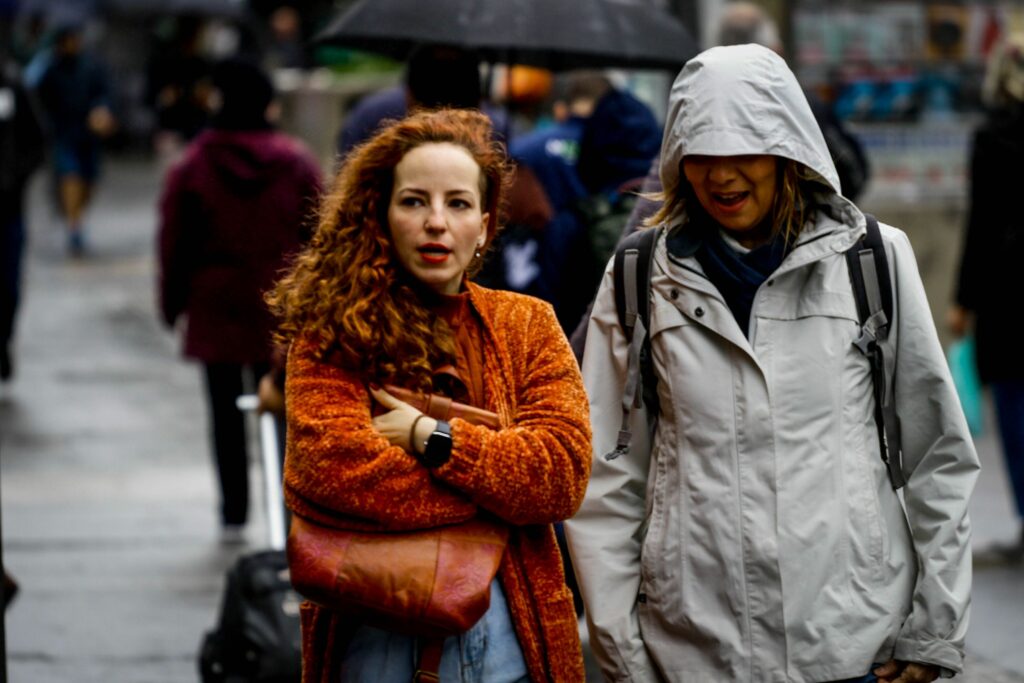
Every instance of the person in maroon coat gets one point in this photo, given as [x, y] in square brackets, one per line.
[233, 211]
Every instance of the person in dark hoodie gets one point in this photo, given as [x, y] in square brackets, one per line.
[233, 211]
[617, 143]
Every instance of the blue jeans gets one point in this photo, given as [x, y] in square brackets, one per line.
[1009, 397]
[487, 653]
[870, 678]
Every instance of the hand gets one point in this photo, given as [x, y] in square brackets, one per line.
[397, 423]
[271, 398]
[958, 319]
[906, 672]
[101, 122]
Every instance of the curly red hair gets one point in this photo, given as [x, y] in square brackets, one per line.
[347, 291]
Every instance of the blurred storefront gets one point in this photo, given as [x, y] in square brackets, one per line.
[907, 77]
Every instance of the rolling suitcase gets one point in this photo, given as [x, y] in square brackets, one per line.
[257, 638]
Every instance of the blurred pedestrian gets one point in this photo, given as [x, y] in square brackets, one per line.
[620, 139]
[178, 85]
[287, 49]
[549, 156]
[27, 36]
[988, 267]
[32, 45]
[611, 140]
[525, 95]
[435, 76]
[75, 94]
[233, 211]
[753, 532]
[21, 152]
[382, 296]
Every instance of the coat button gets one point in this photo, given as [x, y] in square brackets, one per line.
[699, 312]
[771, 282]
[674, 294]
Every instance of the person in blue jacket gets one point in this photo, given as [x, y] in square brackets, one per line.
[75, 93]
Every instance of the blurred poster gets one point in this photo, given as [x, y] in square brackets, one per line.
[869, 33]
[923, 162]
[900, 61]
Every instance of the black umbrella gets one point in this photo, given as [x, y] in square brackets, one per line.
[555, 34]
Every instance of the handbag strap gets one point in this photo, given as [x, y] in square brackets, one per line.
[429, 665]
[438, 407]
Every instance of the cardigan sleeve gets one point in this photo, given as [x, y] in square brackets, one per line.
[535, 470]
[338, 465]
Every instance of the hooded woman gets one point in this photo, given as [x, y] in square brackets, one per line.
[755, 535]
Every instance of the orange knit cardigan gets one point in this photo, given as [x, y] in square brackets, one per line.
[339, 470]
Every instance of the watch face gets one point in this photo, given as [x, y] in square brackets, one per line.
[439, 446]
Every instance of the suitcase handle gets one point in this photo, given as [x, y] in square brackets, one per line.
[269, 455]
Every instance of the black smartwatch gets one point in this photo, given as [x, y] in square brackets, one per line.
[438, 447]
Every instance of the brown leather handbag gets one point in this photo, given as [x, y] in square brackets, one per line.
[432, 582]
[429, 582]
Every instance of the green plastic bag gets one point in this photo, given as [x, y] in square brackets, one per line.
[965, 376]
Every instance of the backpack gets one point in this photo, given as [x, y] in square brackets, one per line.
[605, 215]
[865, 260]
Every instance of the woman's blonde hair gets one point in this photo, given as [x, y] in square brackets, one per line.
[789, 212]
[347, 291]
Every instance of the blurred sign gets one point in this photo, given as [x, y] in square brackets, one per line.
[912, 163]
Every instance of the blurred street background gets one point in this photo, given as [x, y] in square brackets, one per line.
[108, 499]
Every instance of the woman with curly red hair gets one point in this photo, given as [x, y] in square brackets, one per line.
[382, 296]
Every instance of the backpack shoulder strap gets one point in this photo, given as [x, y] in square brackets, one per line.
[632, 284]
[632, 274]
[872, 288]
[867, 260]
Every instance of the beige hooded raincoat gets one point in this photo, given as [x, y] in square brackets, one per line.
[754, 536]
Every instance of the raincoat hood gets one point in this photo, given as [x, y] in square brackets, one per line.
[741, 99]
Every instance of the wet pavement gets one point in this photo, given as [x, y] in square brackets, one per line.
[107, 487]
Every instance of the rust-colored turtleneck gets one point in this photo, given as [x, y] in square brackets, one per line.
[465, 323]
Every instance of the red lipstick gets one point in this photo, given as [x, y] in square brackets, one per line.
[434, 253]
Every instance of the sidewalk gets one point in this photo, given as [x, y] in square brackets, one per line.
[108, 491]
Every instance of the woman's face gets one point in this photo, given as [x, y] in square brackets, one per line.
[736, 191]
[435, 214]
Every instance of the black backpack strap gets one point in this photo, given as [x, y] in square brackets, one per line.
[632, 279]
[872, 288]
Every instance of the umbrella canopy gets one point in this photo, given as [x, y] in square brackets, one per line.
[555, 34]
